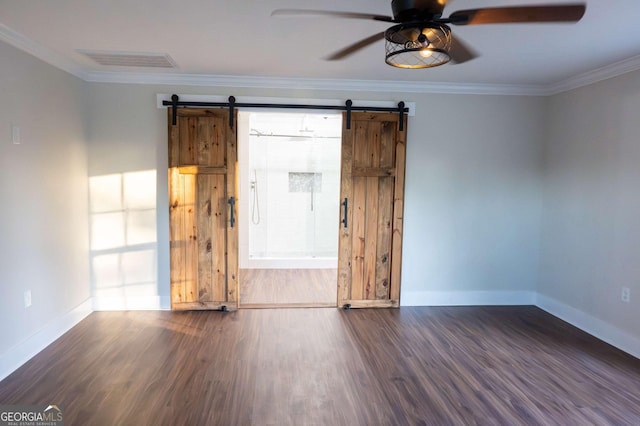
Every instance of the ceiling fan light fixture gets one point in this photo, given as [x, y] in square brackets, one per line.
[417, 45]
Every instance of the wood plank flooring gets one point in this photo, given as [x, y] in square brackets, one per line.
[288, 287]
[408, 366]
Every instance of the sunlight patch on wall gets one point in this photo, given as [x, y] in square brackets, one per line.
[124, 238]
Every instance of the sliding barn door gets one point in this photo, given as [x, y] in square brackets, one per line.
[372, 193]
[203, 227]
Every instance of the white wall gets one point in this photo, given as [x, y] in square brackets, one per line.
[472, 219]
[472, 207]
[591, 220]
[43, 190]
[129, 230]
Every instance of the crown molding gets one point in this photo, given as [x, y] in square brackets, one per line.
[599, 74]
[23, 43]
[311, 84]
[584, 79]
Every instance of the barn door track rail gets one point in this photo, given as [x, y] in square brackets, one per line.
[233, 105]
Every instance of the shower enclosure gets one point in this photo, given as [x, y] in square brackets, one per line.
[290, 189]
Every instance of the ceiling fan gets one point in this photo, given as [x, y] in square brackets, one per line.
[421, 37]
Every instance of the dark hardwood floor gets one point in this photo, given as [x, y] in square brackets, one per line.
[289, 287]
[408, 366]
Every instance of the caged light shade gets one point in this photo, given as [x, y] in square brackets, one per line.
[422, 45]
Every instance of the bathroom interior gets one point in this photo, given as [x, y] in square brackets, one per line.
[289, 207]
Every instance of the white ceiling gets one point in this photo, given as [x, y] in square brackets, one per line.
[240, 38]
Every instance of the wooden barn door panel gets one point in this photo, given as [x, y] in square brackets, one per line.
[203, 241]
[372, 183]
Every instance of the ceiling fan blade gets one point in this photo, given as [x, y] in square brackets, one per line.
[460, 52]
[519, 14]
[295, 13]
[340, 54]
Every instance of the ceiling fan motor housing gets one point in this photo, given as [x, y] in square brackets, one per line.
[416, 10]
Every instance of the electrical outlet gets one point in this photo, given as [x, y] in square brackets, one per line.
[27, 298]
[626, 294]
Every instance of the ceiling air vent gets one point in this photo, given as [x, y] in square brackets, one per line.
[130, 59]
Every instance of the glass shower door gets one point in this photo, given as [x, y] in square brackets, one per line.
[294, 185]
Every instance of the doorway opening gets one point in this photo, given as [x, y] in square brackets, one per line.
[289, 207]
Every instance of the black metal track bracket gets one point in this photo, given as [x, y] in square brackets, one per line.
[174, 104]
[232, 110]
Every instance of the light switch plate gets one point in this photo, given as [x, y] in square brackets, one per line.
[15, 135]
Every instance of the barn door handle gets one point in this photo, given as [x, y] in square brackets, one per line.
[232, 203]
[344, 221]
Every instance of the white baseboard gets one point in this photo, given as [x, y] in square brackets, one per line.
[27, 349]
[467, 298]
[592, 325]
[138, 303]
